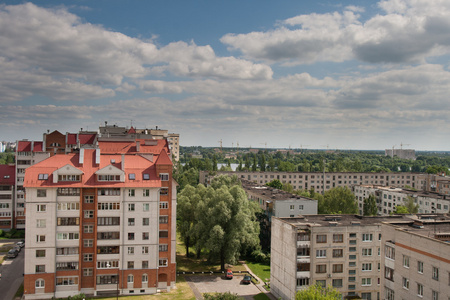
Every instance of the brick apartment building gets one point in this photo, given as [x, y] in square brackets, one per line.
[101, 221]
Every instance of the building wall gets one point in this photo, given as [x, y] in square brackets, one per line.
[294, 207]
[416, 248]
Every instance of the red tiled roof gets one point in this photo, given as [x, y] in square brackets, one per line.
[71, 138]
[114, 147]
[7, 174]
[163, 159]
[133, 164]
[132, 130]
[24, 146]
[38, 146]
[87, 139]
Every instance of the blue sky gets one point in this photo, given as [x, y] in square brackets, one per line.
[342, 75]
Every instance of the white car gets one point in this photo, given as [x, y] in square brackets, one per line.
[20, 244]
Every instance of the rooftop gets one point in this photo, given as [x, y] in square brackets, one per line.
[270, 193]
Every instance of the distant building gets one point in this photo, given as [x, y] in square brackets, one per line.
[401, 153]
[7, 195]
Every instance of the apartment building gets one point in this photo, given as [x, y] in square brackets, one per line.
[416, 258]
[7, 194]
[342, 251]
[401, 153]
[321, 182]
[101, 221]
[388, 198]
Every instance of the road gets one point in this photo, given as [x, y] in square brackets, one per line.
[12, 276]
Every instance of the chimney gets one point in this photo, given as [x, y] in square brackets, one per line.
[123, 162]
[138, 146]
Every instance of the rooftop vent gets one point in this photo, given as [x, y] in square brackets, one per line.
[113, 161]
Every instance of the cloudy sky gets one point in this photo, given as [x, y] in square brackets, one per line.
[355, 74]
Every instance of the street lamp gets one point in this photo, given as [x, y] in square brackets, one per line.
[108, 265]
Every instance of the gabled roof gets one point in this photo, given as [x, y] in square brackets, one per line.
[7, 174]
[163, 159]
[132, 130]
[71, 138]
[87, 139]
[30, 146]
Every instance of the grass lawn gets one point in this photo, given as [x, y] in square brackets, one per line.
[261, 296]
[260, 270]
[182, 292]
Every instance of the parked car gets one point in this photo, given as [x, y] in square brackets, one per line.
[20, 244]
[229, 274]
[12, 253]
[247, 279]
[17, 248]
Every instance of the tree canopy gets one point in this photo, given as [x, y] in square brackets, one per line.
[338, 200]
[317, 292]
[370, 206]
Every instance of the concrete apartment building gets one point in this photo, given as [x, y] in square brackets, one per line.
[101, 221]
[321, 182]
[7, 194]
[389, 197]
[279, 203]
[342, 251]
[401, 153]
[416, 258]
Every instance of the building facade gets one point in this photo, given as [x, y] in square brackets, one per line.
[7, 195]
[416, 258]
[101, 222]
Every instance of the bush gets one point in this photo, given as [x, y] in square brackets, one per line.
[260, 257]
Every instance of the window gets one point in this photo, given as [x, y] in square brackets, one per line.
[164, 191]
[130, 221]
[130, 250]
[108, 206]
[145, 206]
[434, 295]
[163, 205]
[164, 177]
[321, 268]
[405, 282]
[131, 176]
[366, 267]
[338, 252]
[367, 237]
[389, 252]
[435, 273]
[337, 283]
[131, 207]
[112, 235]
[366, 281]
[321, 253]
[145, 250]
[338, 238]
[130, 265]
[389, 273]
[67, 251]
[322, 283]
[42, 193]
[40, 283]
[88, 272]
[106, 221]
[367, 251]
[41, 207]
[145, 236]
[130, 278]
[163, 233]
[42, 176]
[40, 253]
[88, 214]
[68, 206]
[420, 267]
[108, 249]
[108, 177]
[131, 192]
[130, 236]
[145, 221]
[67, 236]
[68, 192]
[146, 176]
[163, 247]
[88, 228]
[338, 268]
[40, 223]
[406, 261]
[321, 238]
[419, 290]
[389, 294]
[163, 262]
[40, 268]
[291, 207]
[163, 219]
[366, 296]
[145, 264]
[67, 221]
[88, 243]
[109, 192]
[146, 193]
[300, 207]
[88, 257]
[89, 199]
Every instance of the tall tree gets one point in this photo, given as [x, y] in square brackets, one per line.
[338, 200]
[370, 206]
[317, 292]
[275, 184]
[409, 207]
[227, 221]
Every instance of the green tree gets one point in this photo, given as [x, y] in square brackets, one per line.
[226, 221]
[409, 207]
[401, 209]
[275, 184]
[338, 200]
[263, 163]
[370, 206]
[317, 292]
[221, 296]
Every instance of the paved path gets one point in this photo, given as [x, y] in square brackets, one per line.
[260, 285]
[12, 274]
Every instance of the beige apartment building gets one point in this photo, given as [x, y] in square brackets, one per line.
[321, 182]
[416, 258]
[389, 197]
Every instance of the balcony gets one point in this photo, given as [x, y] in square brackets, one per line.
[303, 244]
[304, 274]
[303, 259]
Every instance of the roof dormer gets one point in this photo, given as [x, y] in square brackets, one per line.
[110, 173]
[67, 173]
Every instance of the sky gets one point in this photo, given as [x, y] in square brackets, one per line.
[352, 74]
